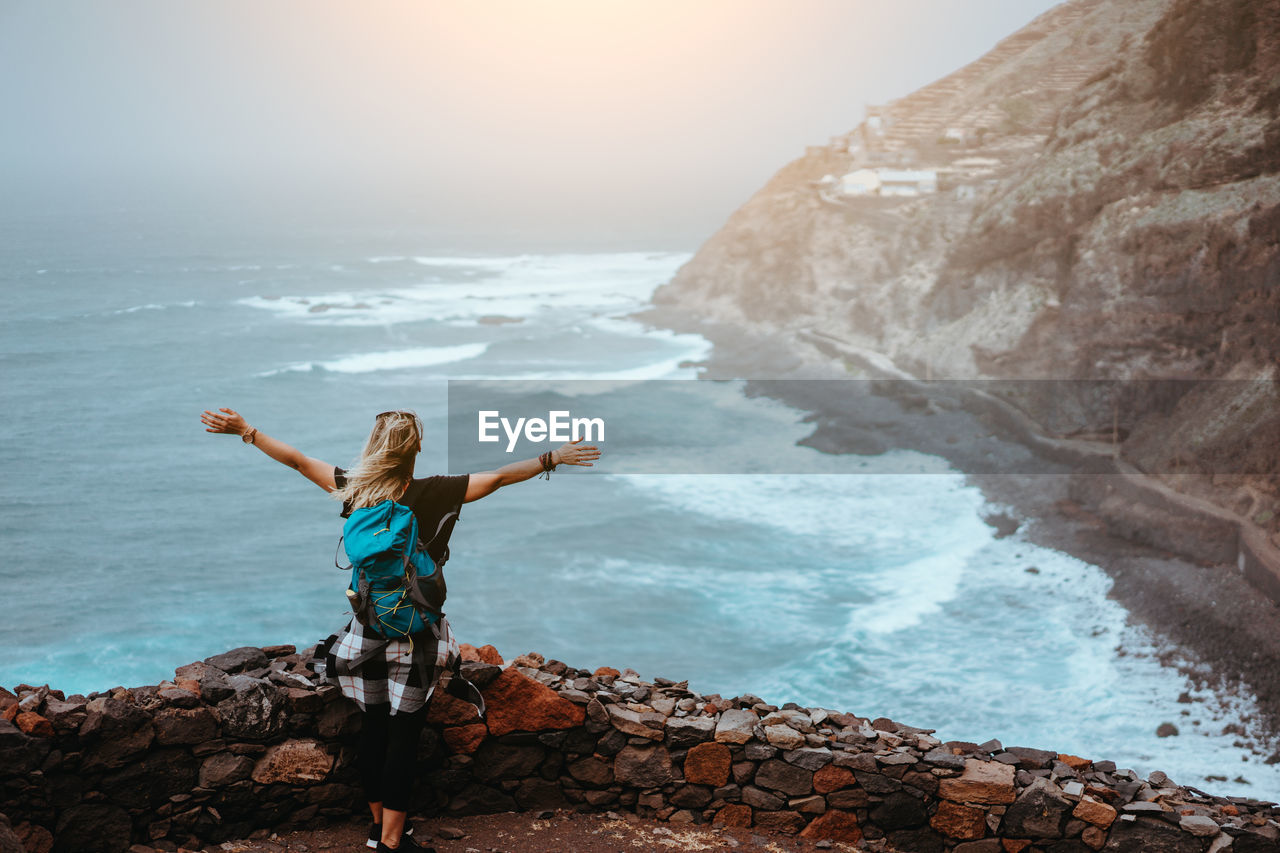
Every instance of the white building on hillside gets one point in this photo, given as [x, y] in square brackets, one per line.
[907, 181]
[889, 182]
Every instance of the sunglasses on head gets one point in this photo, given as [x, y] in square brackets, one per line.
[381, 415]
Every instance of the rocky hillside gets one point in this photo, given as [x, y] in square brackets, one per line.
[1107, 206]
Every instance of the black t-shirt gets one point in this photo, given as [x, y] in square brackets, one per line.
[430, 499]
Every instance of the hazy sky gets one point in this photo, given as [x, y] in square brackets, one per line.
[641, 122]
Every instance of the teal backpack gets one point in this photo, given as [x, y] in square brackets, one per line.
[396, 589]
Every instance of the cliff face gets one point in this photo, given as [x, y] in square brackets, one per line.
[1108, 206]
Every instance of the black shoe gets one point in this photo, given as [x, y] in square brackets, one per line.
[375, 835]
[407, 845]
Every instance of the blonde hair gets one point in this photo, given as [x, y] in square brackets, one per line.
[386, 465]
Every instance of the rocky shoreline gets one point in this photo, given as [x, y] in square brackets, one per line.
[1176, 574]
[247, 742]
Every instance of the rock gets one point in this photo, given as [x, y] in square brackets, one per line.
[778, 775]
[848, 798]
[1033, 759]
[643, 766]
[1038, 812]
[685, 732]
[448, 710]
[92, 827]
[1166, 730]
[691, 797]
[65, 716]
[34, 838]
[817, 804]
[898, 810]
[647, 725]
[1095, 812]
[515, 703]
[185, 726]
[780, 821]
[736, 725]
[479, 799]
[238, 660]
[783, 736]
[708, 764]
[1094, 837]
[257, 711]
[981, 782]
[465, 740]
[734, 814]
[986, 845]
[495, 761]
[9, 841]
[534, 794]
[959, 821]
[224, 768]
[877, 783]
[761, 799]
[480, 674]
[1150, 835]
[1075, 762]
[116, 730]
[942, 757]
[212, 682]
[834, 825]
[33, 724]
[1205, 827]
[756, 751]
[450, 833]
[294, 762]
[832, 778]
[810, 758]
[591, 770]
[483, 654]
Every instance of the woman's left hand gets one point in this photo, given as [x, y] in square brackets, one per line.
[576, 453]
[229, 422]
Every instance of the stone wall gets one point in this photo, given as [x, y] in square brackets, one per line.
[245, 742]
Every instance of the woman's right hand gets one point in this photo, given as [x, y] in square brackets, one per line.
[576, 453]
[228, 422]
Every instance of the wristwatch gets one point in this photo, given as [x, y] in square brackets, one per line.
[248, 437]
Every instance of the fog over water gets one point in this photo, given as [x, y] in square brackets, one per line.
[573, 122]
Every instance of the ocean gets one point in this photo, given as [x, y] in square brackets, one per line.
[134, 542]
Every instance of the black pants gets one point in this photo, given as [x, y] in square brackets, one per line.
[389, 754]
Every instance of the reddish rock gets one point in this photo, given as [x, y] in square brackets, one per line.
[1015, 845]
[34, 838]
[606, 672]
[33, 724]
[488, 654]
[188, 684]
[449, 710]
[1094, 812]
[788, 822]
[832, 778]
[959, 821]
[515, 703]
[734, 814]
[1094, 837]
[1230, 810]
[708, 764]
[10, 713]
[532, 660]
[1075, 762]
[465, 739]
[981, 782]
[834, 825]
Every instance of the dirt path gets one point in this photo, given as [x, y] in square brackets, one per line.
[514, 832]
